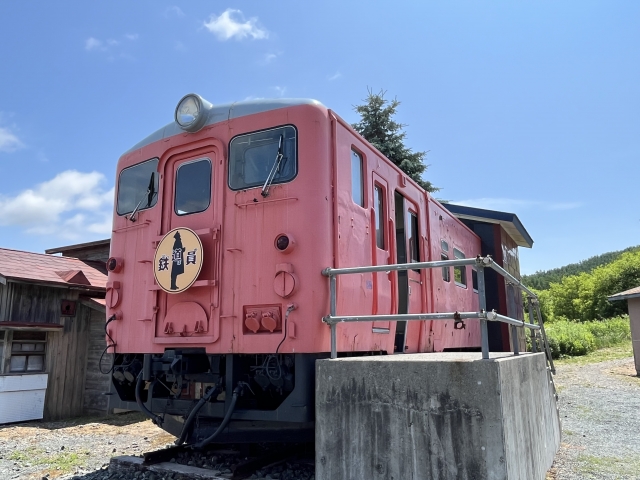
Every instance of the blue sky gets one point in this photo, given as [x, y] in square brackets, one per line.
[528, 107]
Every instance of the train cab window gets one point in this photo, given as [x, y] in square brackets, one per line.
[378, 203]
[459, 272]
[193, 187]
[357, 184]
[446, 271]
[413, 235]
[253, 156]
[138, 184]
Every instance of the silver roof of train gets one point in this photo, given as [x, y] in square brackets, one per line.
[221, 113]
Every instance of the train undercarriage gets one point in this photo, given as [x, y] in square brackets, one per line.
[202, 398]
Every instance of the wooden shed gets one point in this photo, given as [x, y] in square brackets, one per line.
[632, 296]
[52, 317]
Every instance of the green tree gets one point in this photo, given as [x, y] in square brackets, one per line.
[379, 128]
[542, 279]
[583, 297]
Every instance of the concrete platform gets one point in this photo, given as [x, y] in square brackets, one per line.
[435, 416]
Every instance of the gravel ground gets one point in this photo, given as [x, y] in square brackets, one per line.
[76, 447]
[599, 407]
[600, 413]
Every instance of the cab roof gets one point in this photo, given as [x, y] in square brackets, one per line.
[225, 112]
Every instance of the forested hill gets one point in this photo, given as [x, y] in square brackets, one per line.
[541, 280]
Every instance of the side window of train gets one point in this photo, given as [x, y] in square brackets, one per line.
[138, 184]
[446, 271]
[193, 187]
[474, 280]
[378, 205]
[253, 156]
[413, 235]
[460, 272]
[357, 180]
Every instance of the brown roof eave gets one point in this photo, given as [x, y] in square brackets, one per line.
[78, 246]
[614, 298]
[71, 286]
[30, 326]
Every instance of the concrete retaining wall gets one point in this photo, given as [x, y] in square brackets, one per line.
[435, 416]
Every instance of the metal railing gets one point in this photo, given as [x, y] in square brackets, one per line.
[483, 315]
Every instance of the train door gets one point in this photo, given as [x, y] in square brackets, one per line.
[189, 202]
[383, 295]
[407, 245]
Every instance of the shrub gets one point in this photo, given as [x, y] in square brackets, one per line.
[568, 338]
[610, 332]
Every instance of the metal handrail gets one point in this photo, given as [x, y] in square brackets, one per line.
[483, 315]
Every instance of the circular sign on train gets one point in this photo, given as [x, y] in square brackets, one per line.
[178, 260]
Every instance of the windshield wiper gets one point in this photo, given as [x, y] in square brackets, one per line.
[151, 191]
[275, 169]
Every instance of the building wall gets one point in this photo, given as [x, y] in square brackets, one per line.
[21, 302]
[511, 263]
[67, 365]
[75, 386]
[97, 384]
[634, 318]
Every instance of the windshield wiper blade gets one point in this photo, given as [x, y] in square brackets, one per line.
[275, 169]
[149, 194]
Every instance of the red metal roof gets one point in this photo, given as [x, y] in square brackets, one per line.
[631, 293]
[38, 267]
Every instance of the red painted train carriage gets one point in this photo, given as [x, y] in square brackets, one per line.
[224, 221]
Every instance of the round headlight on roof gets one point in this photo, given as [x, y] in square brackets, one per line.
[191, 112]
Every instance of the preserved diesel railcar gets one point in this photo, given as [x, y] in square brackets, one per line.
[224, 221]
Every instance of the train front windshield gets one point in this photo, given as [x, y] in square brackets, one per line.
[253, 155]
[133, 186]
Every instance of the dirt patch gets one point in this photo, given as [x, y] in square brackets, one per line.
[626, 370]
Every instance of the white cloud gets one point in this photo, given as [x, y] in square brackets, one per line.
[110, 45]
[71, 205]
[280, 91]
[512, 204]
[269, 57]
[335, 76]
[9, 141]
[173, 11]
[231, 24]
[93, 44]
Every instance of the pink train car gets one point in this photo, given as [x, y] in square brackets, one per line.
[224, 221]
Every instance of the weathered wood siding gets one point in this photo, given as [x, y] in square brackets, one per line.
[20, 302]
[67, 364]
[97, 384]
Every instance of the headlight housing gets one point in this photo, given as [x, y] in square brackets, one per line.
[192, 112]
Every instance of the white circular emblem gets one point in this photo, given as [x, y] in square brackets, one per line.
[178, 260]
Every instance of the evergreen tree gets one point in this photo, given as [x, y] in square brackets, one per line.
[379, 128]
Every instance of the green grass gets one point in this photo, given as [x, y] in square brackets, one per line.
[623, 350]
[61, 462]
[28, 455]
[572, 339]
[595, 465]
[64, 461]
